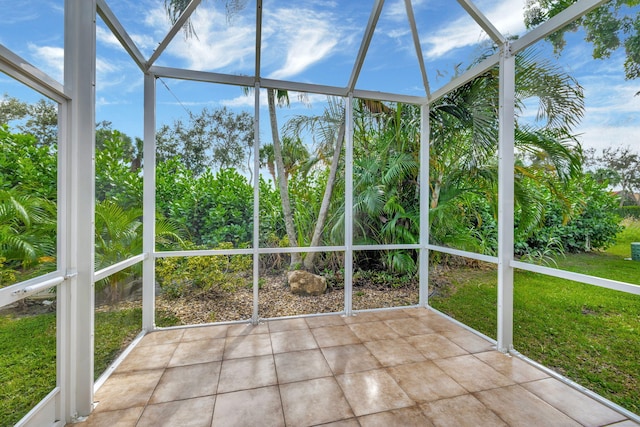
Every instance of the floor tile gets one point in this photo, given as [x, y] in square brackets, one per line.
[350, 358]
[461, 411]
[301, 365]
[409, 326]
[249, 408]
[511, 367]
[162, 337]
[136, 386]
[373, 331]
[392, 314]
[352, 422]
[287, 325]
[424, 381]
[247, 329]
[334, 335]
[312, 402]
[469, 341]
[625, 423]
[201, 351]
[573, 403]
[148, 357]
[367, 316]
[405, 417]
[394, 352]
[246, 373]
[417, 311]
[294, 340]
[324, 321]
[185, 382]
[205, 333]
[387, 367]
[120, 418]
[184, 413]
[247, 346]
[472, 374]
[434, 346]
[518, 407]
[440, 323]
[373, 391]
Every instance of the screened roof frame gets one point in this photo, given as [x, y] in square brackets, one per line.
[515, 46]
[73, 397]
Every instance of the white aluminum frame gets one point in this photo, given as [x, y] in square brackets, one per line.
[75, 277]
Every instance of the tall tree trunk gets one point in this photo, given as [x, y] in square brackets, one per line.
[289, 225]
[326, 198]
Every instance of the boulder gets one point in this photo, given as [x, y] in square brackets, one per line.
[305, 283]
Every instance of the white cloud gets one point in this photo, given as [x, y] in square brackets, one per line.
[505, 15]
[600, 137]
[297, 100]
[50, 59]
[305, 37]
[106, 37]
[143, 41]
[216, 45]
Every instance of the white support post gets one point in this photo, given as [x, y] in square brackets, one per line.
[149, 204]
[256, 206]
[424, 206]
[506, 198]
[79, 81]
[348, 210]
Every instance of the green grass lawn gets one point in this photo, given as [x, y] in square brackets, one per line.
[587, 333]
[27, 365]
[28, 362]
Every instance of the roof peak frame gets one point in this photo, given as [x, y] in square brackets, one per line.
[571, 13]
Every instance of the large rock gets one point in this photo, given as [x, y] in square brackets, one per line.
[305, 283]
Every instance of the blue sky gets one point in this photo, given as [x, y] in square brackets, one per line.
[306, 41]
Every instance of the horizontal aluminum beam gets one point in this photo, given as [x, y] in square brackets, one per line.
[466, 254]
[578, 277]
[118, 267]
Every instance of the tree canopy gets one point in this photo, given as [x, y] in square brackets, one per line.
[610, 27]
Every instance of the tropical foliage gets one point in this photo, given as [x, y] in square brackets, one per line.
[204, 190]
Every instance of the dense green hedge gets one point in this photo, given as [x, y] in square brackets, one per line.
[629, 211]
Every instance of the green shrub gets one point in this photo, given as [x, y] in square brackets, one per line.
[177, 276]
[629, 212]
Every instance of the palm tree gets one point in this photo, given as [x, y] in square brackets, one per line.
[27, 228]
[118, 236]
[283, 186]
[464, 142]
[328, 130]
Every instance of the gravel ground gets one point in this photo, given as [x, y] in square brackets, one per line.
[276, 300]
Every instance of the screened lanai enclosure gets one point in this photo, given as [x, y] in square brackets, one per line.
[213, 208]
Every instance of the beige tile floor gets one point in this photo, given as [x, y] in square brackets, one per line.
[407, 367]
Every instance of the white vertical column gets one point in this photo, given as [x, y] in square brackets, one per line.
[506, 198]
[149, 204]
[424, 205]
[79, 81]
[256, 205]
[348, 209]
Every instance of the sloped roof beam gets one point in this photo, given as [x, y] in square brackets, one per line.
[466, 77]
[482, 20]
[555, 23]
[418, 47]
[366, 41]
[23, 71]
[182, 20]
[120, 33]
